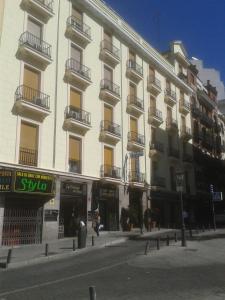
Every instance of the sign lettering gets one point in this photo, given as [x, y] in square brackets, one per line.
[5, 181]
[33, 183]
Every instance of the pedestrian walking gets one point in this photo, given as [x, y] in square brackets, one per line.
[97, 223]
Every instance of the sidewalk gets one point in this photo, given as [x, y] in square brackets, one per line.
[62, 248]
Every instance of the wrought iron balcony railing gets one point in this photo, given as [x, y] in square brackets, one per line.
[154, 112]
[28, 157]
[110, 86]
[157, 146]
[134, 100]
[33, 96]
[131, 64]
[111, 127]
[75, 66]
[155, 81]
[185, 104]
[170, 93]
[110, 171]
[74, 166]
[79, 25]
[35, 43]
[78, 114]
[136, 138]
[106, 45]
[136, 176]
[46, 4]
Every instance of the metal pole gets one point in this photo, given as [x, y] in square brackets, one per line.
[92, 293]
[158, 243]
[46, 249]
[213, 213]
[92, 241]
[146, 248]
[74, 245]
[183, 237]
[9, 256]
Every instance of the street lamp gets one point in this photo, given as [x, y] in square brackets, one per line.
[179, 184]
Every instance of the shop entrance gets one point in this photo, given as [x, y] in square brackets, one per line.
[22, 222]
[109, 208]
[135, 207]
[73, 208]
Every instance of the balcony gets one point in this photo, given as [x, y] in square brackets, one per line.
[109, 53]
[155, 117]
[206, 120]
[184, 106]
[75, 166]
[28, 157]
[134, 71]
[171, 125]
[136, 178]
[34, 50]
[154, 85]
[156, 149]
[31, 103]
[110, 132]
[187, 158]
[158, 182]
[183, 77]
[110, 173]
[186, 133]
[170, 97]
[173, 153]
[77, 120]
[77, 74]
[42, 9]
[78, 31]
[136, 141]
[109, 92]
[195, 111]
[135, 106]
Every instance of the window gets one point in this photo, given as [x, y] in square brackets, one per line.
[181, 95]
[180, 69]
[172, 178]
[74, 155]
[76, 54]
[183, 122]
[169, 115]
[133, 125]
[75, 98]
[31, 78]
[108, 113]
[28, 152]
[151, 73]
[108, 157]
[168, 86]
[153, 135]
[78, 15]
[108, 74]
[153, 104]
[34, 27]
[132, 56]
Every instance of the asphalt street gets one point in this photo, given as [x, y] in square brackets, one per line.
[123, 272]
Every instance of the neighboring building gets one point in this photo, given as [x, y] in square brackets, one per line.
[211, 74]
[208, 137]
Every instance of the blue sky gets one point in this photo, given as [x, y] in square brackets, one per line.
[200, 24]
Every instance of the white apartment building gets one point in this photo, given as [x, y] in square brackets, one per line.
[91, 117]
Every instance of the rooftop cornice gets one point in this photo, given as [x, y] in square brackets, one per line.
[106, 15]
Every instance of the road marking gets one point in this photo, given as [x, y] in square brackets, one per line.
[60, 280]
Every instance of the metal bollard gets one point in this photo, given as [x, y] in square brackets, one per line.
[92, 293]
[158, 243]
[92, 240]
[46, 249]
[9, 256]
[167, 240]
[74, 245]
[146, 247]
[175, 237]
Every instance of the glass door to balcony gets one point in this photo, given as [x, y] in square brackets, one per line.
[108, 162]
[28, 151]
[74, 155]
[34, 28]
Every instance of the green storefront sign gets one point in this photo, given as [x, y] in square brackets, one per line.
[35, 183]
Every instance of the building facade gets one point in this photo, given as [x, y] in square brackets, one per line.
[91, 117]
